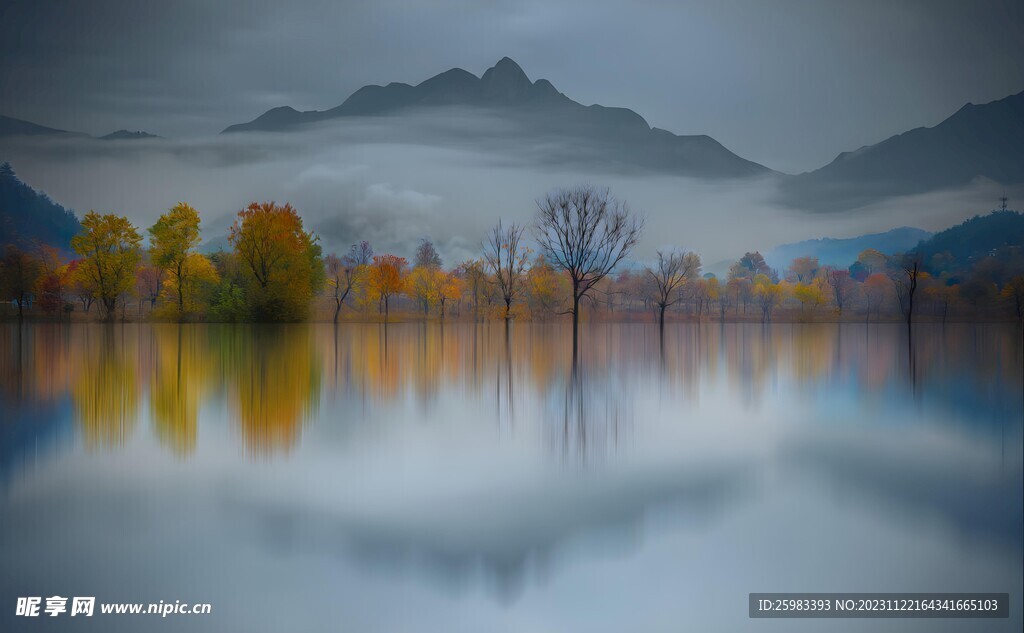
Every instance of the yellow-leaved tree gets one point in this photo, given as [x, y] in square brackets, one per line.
[174, 237]
[192, 288]
[109, 246]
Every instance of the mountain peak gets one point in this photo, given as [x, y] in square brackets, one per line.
[127, 135]
[537, 108]
[505, 80]
[509, 65]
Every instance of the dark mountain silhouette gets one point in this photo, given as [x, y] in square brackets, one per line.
[618, 135]
[978, 140]
[10, 126]
[126, 135]
[843, 252]
[998, 235]
[27, 215]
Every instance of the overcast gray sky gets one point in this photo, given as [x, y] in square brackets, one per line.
[788, 84]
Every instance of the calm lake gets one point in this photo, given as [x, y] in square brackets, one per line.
[420, 477]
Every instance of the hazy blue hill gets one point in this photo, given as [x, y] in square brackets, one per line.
[615, 135]
[127, 135]
[978, 140]
[999, 234]
[27, 215]
[9, 126]
[843, 252]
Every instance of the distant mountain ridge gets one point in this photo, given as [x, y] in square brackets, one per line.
[844, 251]
[507, 89]
[977, 140]
[127, 135]
[9, 126]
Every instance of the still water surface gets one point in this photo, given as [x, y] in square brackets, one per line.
[422, 477]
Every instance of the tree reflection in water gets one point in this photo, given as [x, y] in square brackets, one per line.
[273, 378]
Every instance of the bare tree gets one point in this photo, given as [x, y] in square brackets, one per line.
[506, 257]
[905, 279]
[586, 232]
[340, 280]
[672, 270]
[839, 281]
[426, 255]
[345, 273]
[361, 253]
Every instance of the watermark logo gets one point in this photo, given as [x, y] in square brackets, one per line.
[33, 606]
[28, 607]
[82, 606]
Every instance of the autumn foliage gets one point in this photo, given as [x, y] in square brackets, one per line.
[576, 260]
[282, 262]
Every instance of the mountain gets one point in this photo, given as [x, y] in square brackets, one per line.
[843, 252]
[10, 126]
[999, 235]
[617, 135]
[978, 140]
[27, 215]
[126, 135]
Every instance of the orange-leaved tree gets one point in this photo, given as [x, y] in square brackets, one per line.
[386, 278]
[282, 261]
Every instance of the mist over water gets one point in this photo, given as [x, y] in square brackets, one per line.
[447, 173]
[461, 477]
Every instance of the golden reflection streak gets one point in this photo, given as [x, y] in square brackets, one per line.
[272, 375]
[183, 372]
[105, 390]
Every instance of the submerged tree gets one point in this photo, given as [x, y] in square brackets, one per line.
[506, 257]
[906, 278]
[586, 232]
[669, 274]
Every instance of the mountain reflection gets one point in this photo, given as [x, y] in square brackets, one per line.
[277, 379]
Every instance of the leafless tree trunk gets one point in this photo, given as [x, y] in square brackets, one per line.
[586, 232]
[839, 282]
[906, 285]
[506, 257]
[672, 270]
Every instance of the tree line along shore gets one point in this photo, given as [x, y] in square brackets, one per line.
[572, 262]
